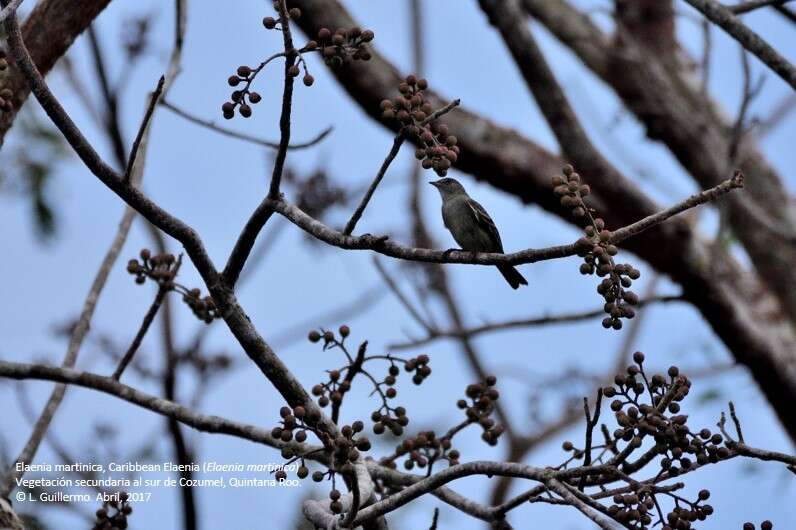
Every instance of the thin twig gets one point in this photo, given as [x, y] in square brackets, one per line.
[153, 101]
[707, 48]
[702, 197]
[736, 422]
[242, 249]
[778, 114]
[415, 314]
[78, 332]
[287, 100]
[208, 124]
[396, 146]
[164, 407]
[591, 423]
[356, 501]
[787, 13]
[724, 18]
[751, 5]
[139, 336]
[529, 322]
[572, 498]
[360, 209]
[434, 520]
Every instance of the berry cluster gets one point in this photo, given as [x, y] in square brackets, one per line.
[647, 408]
[674, 441]
[423, 450]
[765, 525]
[634, 510]
[113, 514]
[203, 307]
[481, 406]
[336, 48]
[418, 365]
[681, 518]
[339, 381]
[395, 418]
[598, 252]
[438, 149]
[244, 97]
[5, 93]
[632, 507]
[677, 448]
[273, 23]
[163, 269]
[344, 45]
[342, 450]
[295, 423]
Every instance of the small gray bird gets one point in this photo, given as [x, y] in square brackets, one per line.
[471, 226]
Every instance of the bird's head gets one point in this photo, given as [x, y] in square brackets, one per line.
[448, 187]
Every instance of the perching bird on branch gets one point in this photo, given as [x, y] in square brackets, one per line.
[471, 226]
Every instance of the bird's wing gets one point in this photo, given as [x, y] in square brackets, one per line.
[486, 222]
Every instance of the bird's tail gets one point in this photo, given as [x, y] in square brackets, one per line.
[512, 276]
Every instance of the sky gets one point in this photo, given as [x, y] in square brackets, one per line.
[214, 182]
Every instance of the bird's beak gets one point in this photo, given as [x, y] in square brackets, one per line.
[434, 183]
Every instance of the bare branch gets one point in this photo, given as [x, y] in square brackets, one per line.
[98, 167]
[413, 312]
[382, 245]
[287, 101]
[75, 342]
[571, 497]
[236, 319]
[724, 18]
[430, 484]
[78, 333]
[144, 128]
[164, 407]
[360, 209]
[528, 322]
[208, 124]
[139, 336]
[751, 5]
[694, 200]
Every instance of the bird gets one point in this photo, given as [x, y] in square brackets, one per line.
[471, 226]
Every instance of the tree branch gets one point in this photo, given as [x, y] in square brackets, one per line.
[236, 319]
[139, 336]
[382, 245]
[163, 407]
[529, 322]
[207, 124]
[287, 101]
[725, 19]
[51, 28]
[751, 5]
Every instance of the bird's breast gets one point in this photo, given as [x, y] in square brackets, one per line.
[463, 226]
